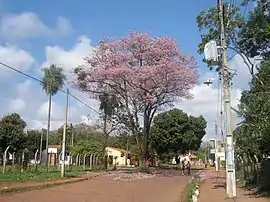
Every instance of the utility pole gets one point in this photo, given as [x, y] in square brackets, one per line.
[230, 166]
[72, 135]
[216, 149]
[64, 137]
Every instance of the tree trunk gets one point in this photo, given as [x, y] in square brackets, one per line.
[142, 162]
[105, 144]
[48, 131]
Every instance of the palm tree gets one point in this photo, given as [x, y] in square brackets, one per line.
[52, 81]
[108, 104]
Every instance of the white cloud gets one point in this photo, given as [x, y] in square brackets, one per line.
[16, 58]
[206, 102]
[35, 109]
[56, 114]
[16, 104]
[68, 59]
[28, 25]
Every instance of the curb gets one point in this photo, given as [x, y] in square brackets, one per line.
[4, 191]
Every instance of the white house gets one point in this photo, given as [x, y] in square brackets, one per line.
[117, 156]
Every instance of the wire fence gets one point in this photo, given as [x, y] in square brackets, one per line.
[28, 161]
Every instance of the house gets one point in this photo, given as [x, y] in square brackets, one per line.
[53, 151]
[117, 156]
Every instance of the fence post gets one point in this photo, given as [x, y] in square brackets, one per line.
[94, 161]
[84, 161]
[77, 159]
[36, 160]
[13, 158]
[257, 169]
[5, 159]
[97, 161]
[91, 161]
[22, 160]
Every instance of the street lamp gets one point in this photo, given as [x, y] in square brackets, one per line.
[208, 82]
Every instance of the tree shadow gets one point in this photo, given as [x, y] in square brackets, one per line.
[219, 182]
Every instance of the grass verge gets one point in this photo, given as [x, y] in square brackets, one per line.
[44, 185]
[190, 189]
[40, 173]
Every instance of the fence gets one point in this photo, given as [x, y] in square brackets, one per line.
[29, 161]
[254, 172]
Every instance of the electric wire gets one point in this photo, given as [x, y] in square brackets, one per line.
[40, 81]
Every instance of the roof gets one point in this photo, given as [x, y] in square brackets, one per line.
[117, 149]
[192, 156]
[54, 146]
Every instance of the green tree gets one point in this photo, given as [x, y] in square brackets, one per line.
[252, 135]
[87, 147]
[33, 140]
[107, 107]
[12, 132]
[176, 132]
[209, 25]
[255, 33]
[53, 80]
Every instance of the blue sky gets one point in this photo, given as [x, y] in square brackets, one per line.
[41, 40]
[97, 19]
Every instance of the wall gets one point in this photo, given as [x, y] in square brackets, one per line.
[116, 153]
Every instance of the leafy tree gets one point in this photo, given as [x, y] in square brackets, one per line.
[12, 132]
[33, 140]
[53, 80]
[255, 34]
[209, 25]
[176, 132]
[252, 135]
[87, 147]
[108, 104]
[144, 74]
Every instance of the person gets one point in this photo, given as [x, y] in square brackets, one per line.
[188, 167]
[183, 167]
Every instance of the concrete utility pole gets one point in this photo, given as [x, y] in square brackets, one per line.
[230, 166]
[72, 135]
[40, 146]
[64, 138]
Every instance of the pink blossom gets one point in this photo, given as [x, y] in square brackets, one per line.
[146, 69]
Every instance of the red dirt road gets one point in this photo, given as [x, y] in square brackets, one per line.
[106, 189]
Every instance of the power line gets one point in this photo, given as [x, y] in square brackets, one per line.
[40, 81]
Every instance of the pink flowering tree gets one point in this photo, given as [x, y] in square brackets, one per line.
[143, 74]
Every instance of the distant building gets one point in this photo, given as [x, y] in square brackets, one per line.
[117, 156]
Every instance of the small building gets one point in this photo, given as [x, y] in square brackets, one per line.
[117, 156]
[53, 152]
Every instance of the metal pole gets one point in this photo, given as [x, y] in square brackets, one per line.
[72, 135]
[216, 149]
[230, 166]
[64, 138]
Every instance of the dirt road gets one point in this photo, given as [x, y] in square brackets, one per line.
[117, 187]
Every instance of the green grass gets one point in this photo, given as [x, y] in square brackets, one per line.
[35, 176]
[189, 190]
[14, 174]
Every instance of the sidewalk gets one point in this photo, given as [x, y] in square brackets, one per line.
[213, 189]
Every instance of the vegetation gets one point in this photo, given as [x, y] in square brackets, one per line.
[36, 176]
[12, 132]
[248, 36]
[174, 132]
[52, 81]
[142, 74]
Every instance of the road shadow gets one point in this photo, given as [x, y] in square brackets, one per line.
[219, 182]
[254, 192]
